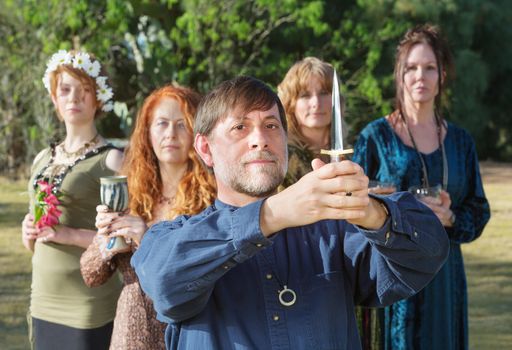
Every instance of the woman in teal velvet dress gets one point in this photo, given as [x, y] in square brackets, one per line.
[415, 146]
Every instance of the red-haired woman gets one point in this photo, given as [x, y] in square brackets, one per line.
[165, 179]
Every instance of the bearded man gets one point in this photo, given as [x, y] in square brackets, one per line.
[265, 270]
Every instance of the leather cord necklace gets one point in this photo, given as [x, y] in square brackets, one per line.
[420, 156]
[287, 296]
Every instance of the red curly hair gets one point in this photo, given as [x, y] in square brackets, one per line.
[196, 189]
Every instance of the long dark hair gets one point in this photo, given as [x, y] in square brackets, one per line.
[431, 36]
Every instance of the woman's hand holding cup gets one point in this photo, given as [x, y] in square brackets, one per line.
[114, 195]
[438, 200]
[120, 224]
[104, 220]
[440, 205]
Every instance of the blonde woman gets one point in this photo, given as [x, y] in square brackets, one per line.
[306, 96]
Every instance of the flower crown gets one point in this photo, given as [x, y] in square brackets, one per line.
[82, 60]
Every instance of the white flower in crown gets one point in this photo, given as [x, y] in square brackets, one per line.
[93, 69]
[107, 107]
[101, 82]
[82, 60]
[104, 93]
[61, 57]
[46, 81]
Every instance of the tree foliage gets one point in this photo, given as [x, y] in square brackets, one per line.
[148, 43]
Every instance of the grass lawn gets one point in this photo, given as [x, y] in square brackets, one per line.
[15, 267]
[488, 263]
[488, 266]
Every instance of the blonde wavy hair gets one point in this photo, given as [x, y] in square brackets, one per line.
[195, 191]
[294, 83]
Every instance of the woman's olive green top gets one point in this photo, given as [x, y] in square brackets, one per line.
[59, 293]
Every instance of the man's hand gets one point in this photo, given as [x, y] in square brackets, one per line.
[331, 191]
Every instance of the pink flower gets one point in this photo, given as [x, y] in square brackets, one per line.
[54, 212]
[51, 220]
[45, 187]
[46, 212]
[42, 222]
[51, 199]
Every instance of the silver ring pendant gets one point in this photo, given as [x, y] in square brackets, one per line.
[283, 293]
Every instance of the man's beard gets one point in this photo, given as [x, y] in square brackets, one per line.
[258, 183]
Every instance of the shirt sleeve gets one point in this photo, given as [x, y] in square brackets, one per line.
[399, 259]
[179, 262]
[95, 268]
[474, 212]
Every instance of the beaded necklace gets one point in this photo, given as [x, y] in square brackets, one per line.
[57, 179]
[81, 150]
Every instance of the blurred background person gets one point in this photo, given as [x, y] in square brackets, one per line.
[415, 147]
[306, 94]
[165, 179]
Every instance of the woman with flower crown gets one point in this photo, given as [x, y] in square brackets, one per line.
[165, 179]
[64, 192]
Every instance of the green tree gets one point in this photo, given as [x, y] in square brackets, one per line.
[148, 43]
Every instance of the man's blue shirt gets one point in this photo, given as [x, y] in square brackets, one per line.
[215, 278]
